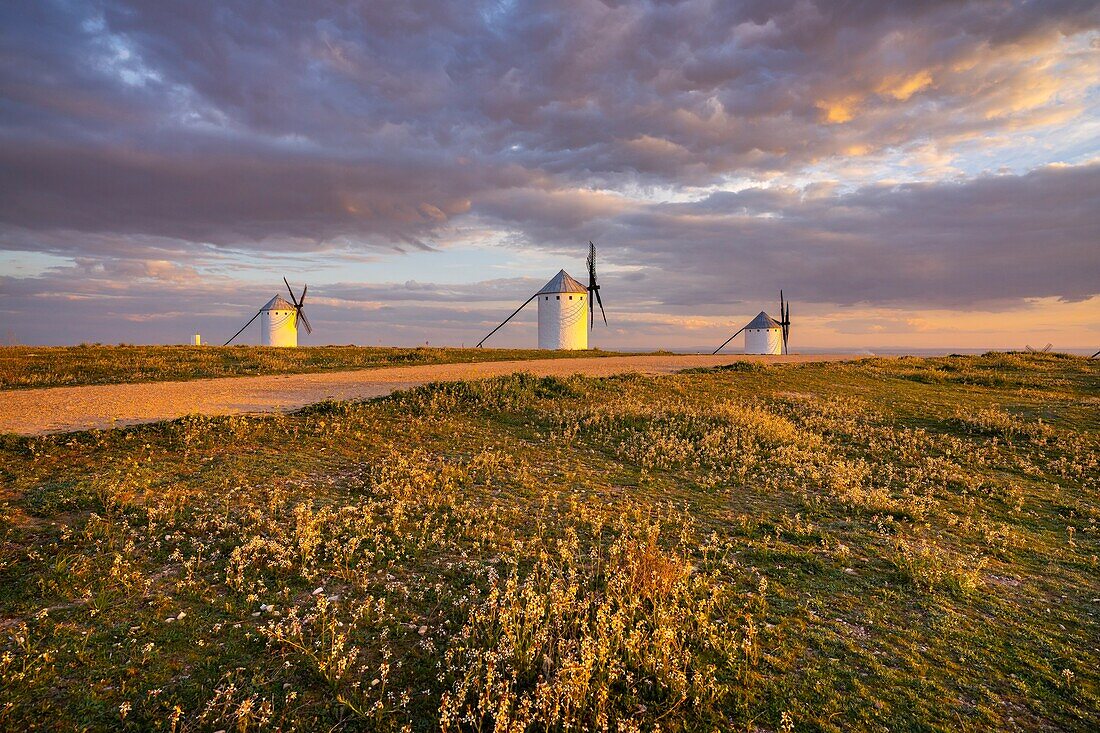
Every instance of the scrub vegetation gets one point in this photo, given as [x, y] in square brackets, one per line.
[891, 544]
[70, 366]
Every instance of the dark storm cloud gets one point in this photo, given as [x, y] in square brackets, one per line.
[227, 198]
[924, 245]
[408, 105]
[995, 238]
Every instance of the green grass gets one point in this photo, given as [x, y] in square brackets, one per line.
[70, 366]
[895, 544]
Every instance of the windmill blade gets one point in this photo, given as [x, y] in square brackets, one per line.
[784, 319]
[1046, 349]
[292, 300]
[728, 340]
[600, 301]
[300, 314]
[1030, 350]
[787, 328]
[593, 288]
[305, 321]
[238, 333]
[1095, 355]
[517, 310]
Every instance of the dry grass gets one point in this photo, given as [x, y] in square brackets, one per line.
[68, 366]
[811, 547]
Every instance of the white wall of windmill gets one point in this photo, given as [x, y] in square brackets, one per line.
[277, 328]
[763, 341]
[563, 321]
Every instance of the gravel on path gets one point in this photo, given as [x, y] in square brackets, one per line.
[65, 409]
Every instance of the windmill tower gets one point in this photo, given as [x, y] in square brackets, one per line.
[764, 334]
[563, 304]
[279, 320]
[278, 323]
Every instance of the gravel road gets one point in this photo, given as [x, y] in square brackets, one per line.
[64, 409]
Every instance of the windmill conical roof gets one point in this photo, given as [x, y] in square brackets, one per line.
[278, 303]
[563, 282]
[763, 320]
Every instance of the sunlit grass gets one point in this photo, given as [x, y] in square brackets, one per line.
[66, 366]
[871, 546]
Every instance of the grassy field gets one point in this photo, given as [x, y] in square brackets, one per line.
[903, 545]
[69, 366]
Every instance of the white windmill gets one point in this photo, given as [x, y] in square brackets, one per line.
[563, 304]
[279, 320]
[764, 334]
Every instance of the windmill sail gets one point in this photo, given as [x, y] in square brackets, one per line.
[593, 288]
[299, 314]
[785, 320]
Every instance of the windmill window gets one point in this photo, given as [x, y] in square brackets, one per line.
[557, 297]
[571, 297]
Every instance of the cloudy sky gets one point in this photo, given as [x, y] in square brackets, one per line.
[912, 174]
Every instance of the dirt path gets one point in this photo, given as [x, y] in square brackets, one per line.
[62, 409]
